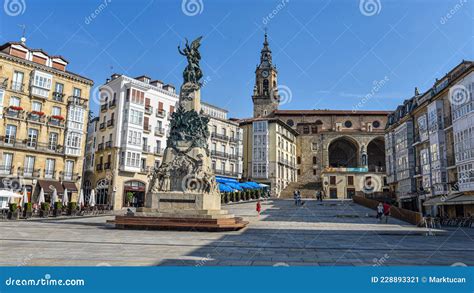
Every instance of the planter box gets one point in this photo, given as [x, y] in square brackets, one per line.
[13, 215]
[57, 213]
[71, 212]
[27, 214]
[44, 213]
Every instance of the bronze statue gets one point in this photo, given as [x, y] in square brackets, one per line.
[192, 72]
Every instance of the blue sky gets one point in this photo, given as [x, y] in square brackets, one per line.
[329, 54]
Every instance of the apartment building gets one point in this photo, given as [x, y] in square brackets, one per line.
[225, 142]
[430, 166]
[126, 141]
[269, 155]
[44, 109]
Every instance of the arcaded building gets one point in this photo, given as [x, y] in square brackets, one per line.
[340, 152]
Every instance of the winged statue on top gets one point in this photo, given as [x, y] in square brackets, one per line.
[192, 73]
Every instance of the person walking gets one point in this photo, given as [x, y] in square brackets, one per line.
[386, 212]
[298, 198]
[380, 212]
[258, 208]
[295, 197]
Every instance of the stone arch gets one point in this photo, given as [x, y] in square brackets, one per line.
[343, 151]
[376, 154]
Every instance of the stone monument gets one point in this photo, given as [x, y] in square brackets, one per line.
[183, 191]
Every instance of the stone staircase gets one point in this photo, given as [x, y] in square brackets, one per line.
[307, 189]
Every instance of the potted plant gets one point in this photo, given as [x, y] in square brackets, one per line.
[16, 108]
[129, 197]
[38, 113]
[27, 210]
[58, 207]
[44, 211]
[72, 208]
[13, 211]
[57, 117]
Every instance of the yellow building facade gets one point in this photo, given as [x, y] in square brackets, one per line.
[44, 111]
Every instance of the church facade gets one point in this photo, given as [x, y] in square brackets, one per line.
[340, 152]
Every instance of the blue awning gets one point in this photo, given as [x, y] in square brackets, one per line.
[225, 188]
[234, 185]
[221, 179]
[253, 184]
[245, 185]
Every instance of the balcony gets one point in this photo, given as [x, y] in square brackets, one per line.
[160, 113]
[287, 163]
[99, 167]
[14, 112]
[49, 174]
[107, 165]
[235, 139]
[146, 148]
[103, 108]
[78, 101]
[219, 154]
[148, 109]
[67, 176]
[36, 116]
[108, 144]
[100, 146]
[145, 169]
[159, 131]
[158, 151]
[102, 126]
[234, 157]
[58, 97]
[219, 136]
[18, 87]
[11, 142]
[110, 123]
[29, 172]
[147, 127]
[226, 173]
[56, 120]
[6, 169]
[112, 104]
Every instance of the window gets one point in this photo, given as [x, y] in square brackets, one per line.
[136, 117]
[2, 93]
[29, 165]
[41, 84]
[223, 166]
[314, 129]
[350, 180]
[68, 170]
[314, 146]
[15, 101]
[75, 117]
[73, 143]
[133, 159]
[314, 171]
[348, 124]
[10, 134]
[134, 137]
[290, 122]
[56, 111]
[332, 180]
[17, 82]
[7, 162]
[32, 137]
[298, 160]
[306, 129]
[376, 124]
[138, 97]
[59, 88]
[49, 168]
[76, 92]
[315, 161]
[36, 106]
[53, 140]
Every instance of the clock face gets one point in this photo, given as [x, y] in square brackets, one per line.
[265, 73]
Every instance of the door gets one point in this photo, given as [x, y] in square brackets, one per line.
[333, 193]
[350, 192]
[7, 164]
[17, 83]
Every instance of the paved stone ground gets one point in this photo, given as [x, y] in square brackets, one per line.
[331, 233]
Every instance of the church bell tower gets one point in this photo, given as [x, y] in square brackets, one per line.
[265, 93]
